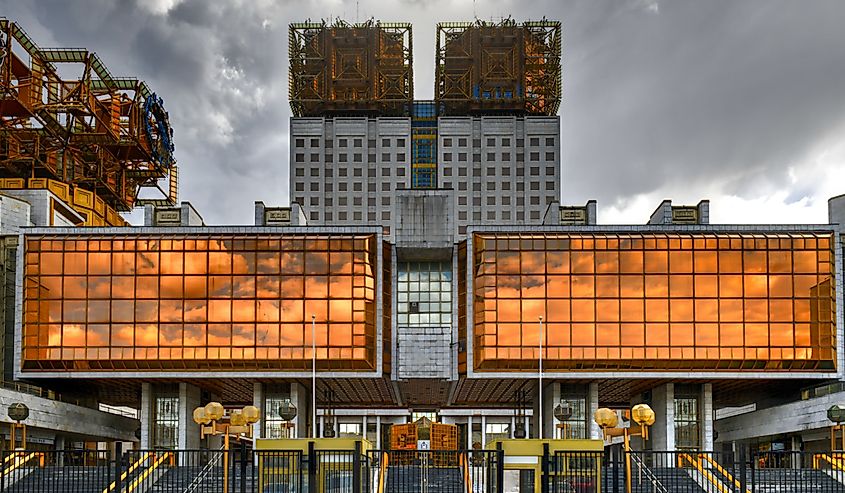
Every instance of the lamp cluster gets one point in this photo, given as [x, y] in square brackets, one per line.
[215, 421]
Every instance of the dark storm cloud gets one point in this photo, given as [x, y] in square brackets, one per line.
[683, 98]
[694, 94]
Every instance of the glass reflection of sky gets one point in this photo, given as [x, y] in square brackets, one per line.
[660, 301]
[245, 300]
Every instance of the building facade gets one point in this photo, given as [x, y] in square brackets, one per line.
[426, 267]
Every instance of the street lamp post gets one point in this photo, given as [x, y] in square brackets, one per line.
[287, 411]
[18, 412]
[562, 413]
[214, 421]
[540, 378]
[313, 376]
[607, 419]
[836, 413]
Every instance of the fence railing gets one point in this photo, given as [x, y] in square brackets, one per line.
[435, 471]
[243, 470]
[696, 472]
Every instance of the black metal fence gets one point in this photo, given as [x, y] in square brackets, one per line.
[436, 471]
[242, 470]
[613, 470]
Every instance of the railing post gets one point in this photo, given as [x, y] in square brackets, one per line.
[751, 461]
[118, 465]
[312, 468]
[615, 462]
[243, 467]
[500, 468]
[356, 468]
[544, 468]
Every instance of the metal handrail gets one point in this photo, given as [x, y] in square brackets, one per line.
[23, 459]
[141, 477]
[205, 471]
[696, 463]
[724, 472]
[658, 486]
[127, 472]
[836, 462]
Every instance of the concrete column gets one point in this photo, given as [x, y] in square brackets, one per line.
[258, 401]
[706, 408]
[59, 443]
[592, 406]
[663, 404]
[146, 416]
[301, 398]
[513, 425]
[483, 431]
[378, 432]
[189, 432]
[469, 431]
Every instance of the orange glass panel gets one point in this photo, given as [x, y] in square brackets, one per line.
[680, 262]
[730, 262]
[631, 262]
[680, 286]
[706, 262]
[656, 262]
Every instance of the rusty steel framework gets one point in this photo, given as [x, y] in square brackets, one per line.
[501, 67]
[104, 135]
[359, 68]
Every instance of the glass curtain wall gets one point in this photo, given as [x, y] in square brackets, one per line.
[199, 301]
[671, 301]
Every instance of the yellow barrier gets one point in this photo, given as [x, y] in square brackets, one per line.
[382, 472]
[700, 468]
[20, 460]
[465, 460]
[835, 462]
[722, 471]
[156, 463]
[126, 473]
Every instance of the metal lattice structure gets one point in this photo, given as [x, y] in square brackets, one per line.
[341, 68]
[105, 136]
[500, 67]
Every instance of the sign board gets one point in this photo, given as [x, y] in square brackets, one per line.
[277, 216]
[169, 216]
[573, 215]
[685, 215]
[423, 444]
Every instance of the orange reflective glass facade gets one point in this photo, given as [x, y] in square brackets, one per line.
[654, 301]
[199, 301]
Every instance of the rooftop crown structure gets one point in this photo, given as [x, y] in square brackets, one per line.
[344, 67]
[505, 67]
[106, 136]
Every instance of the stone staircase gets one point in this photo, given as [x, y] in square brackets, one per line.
[83, 479]
[179, 479]
[670, 479]
[794, 481]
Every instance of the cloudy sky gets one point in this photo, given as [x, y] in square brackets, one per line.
[741, 102]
